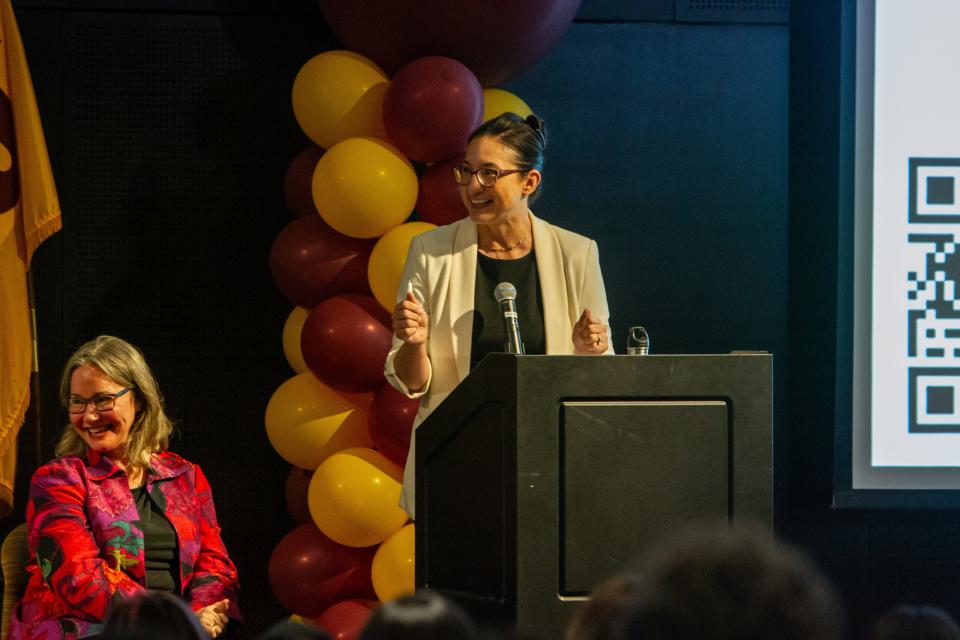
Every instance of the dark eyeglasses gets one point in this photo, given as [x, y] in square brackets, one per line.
[486, 177]
[101, 402]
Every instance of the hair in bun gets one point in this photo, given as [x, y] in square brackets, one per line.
[527, 137]
[539, 128]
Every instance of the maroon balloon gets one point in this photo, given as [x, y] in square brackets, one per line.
[345, 620]
[391, 422]
[497, 41]
[438, 200]
[431, 107]
[308, 571]
[298, 182]
[345, 341]
[298, 483]
[310, 261]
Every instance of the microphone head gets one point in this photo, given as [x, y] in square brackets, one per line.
[505, 291]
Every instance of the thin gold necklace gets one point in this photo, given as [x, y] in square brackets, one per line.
[519, 243]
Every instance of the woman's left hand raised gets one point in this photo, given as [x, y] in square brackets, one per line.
[589, 335]
[213, 617]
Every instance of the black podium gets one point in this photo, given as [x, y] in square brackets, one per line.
[540, 476]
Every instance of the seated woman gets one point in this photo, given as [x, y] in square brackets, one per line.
[116, 513]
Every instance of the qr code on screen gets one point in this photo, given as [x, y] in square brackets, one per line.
[933, 297]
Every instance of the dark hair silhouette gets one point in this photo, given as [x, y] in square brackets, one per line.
[733, 584]
[154, 615]
[915, 622]
[423, 616]
[289, 630]
[601, 617]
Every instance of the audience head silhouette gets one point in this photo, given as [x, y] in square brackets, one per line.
[154, 615]
[732, 584]
[423, 616]
[290, 630]
[915, 622]
[599, 618]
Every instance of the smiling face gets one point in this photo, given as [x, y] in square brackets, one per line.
[105, 432]
[505, 200]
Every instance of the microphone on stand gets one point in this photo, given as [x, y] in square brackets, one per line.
[506, 295]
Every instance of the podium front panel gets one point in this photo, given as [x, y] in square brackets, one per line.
[632, 472]
[466, 481]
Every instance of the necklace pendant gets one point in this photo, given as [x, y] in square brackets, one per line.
[520, 243]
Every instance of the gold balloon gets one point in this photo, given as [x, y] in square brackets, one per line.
[363, 187]
[291, 339]
[498, 101]
[354, 496]
[393, 565]
[387, 259]
[307, 421]
[339, 95]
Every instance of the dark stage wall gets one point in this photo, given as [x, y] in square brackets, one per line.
[170, 129]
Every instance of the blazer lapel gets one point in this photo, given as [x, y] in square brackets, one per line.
[463, 279]
[553, 287]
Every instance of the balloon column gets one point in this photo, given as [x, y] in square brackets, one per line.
[352, 193]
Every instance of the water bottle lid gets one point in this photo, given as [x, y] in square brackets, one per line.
[638, 341]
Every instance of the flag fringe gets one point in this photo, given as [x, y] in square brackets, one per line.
[12, 430]
[41, 232]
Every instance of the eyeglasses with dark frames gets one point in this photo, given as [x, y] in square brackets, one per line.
[101, 401]
[486, 176]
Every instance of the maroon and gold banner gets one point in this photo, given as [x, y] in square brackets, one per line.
[29, 213]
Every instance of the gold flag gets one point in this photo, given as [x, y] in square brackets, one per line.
[29, 213]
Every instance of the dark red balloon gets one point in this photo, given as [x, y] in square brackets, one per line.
[496, 40]
[308, 571]
[310, 261]
[391, 422]
[438, 200]
[345, 620]
[345, 341]
[298, 483]
[432, 106]
[298, 182]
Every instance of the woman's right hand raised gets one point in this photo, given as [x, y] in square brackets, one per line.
[410, 321]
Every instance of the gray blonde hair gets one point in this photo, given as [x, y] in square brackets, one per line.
[124, 364]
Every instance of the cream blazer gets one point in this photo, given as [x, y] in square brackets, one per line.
[442, 267]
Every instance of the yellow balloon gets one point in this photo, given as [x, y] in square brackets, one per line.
[498, 101]
[385, 266]
[393, 567]
[339, 95]
[363, 187]
[307, 421]
[291, 339]
[354, 496]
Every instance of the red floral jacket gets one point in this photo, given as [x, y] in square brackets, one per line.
[87, 549]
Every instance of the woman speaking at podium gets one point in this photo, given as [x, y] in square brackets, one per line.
[447, 320]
